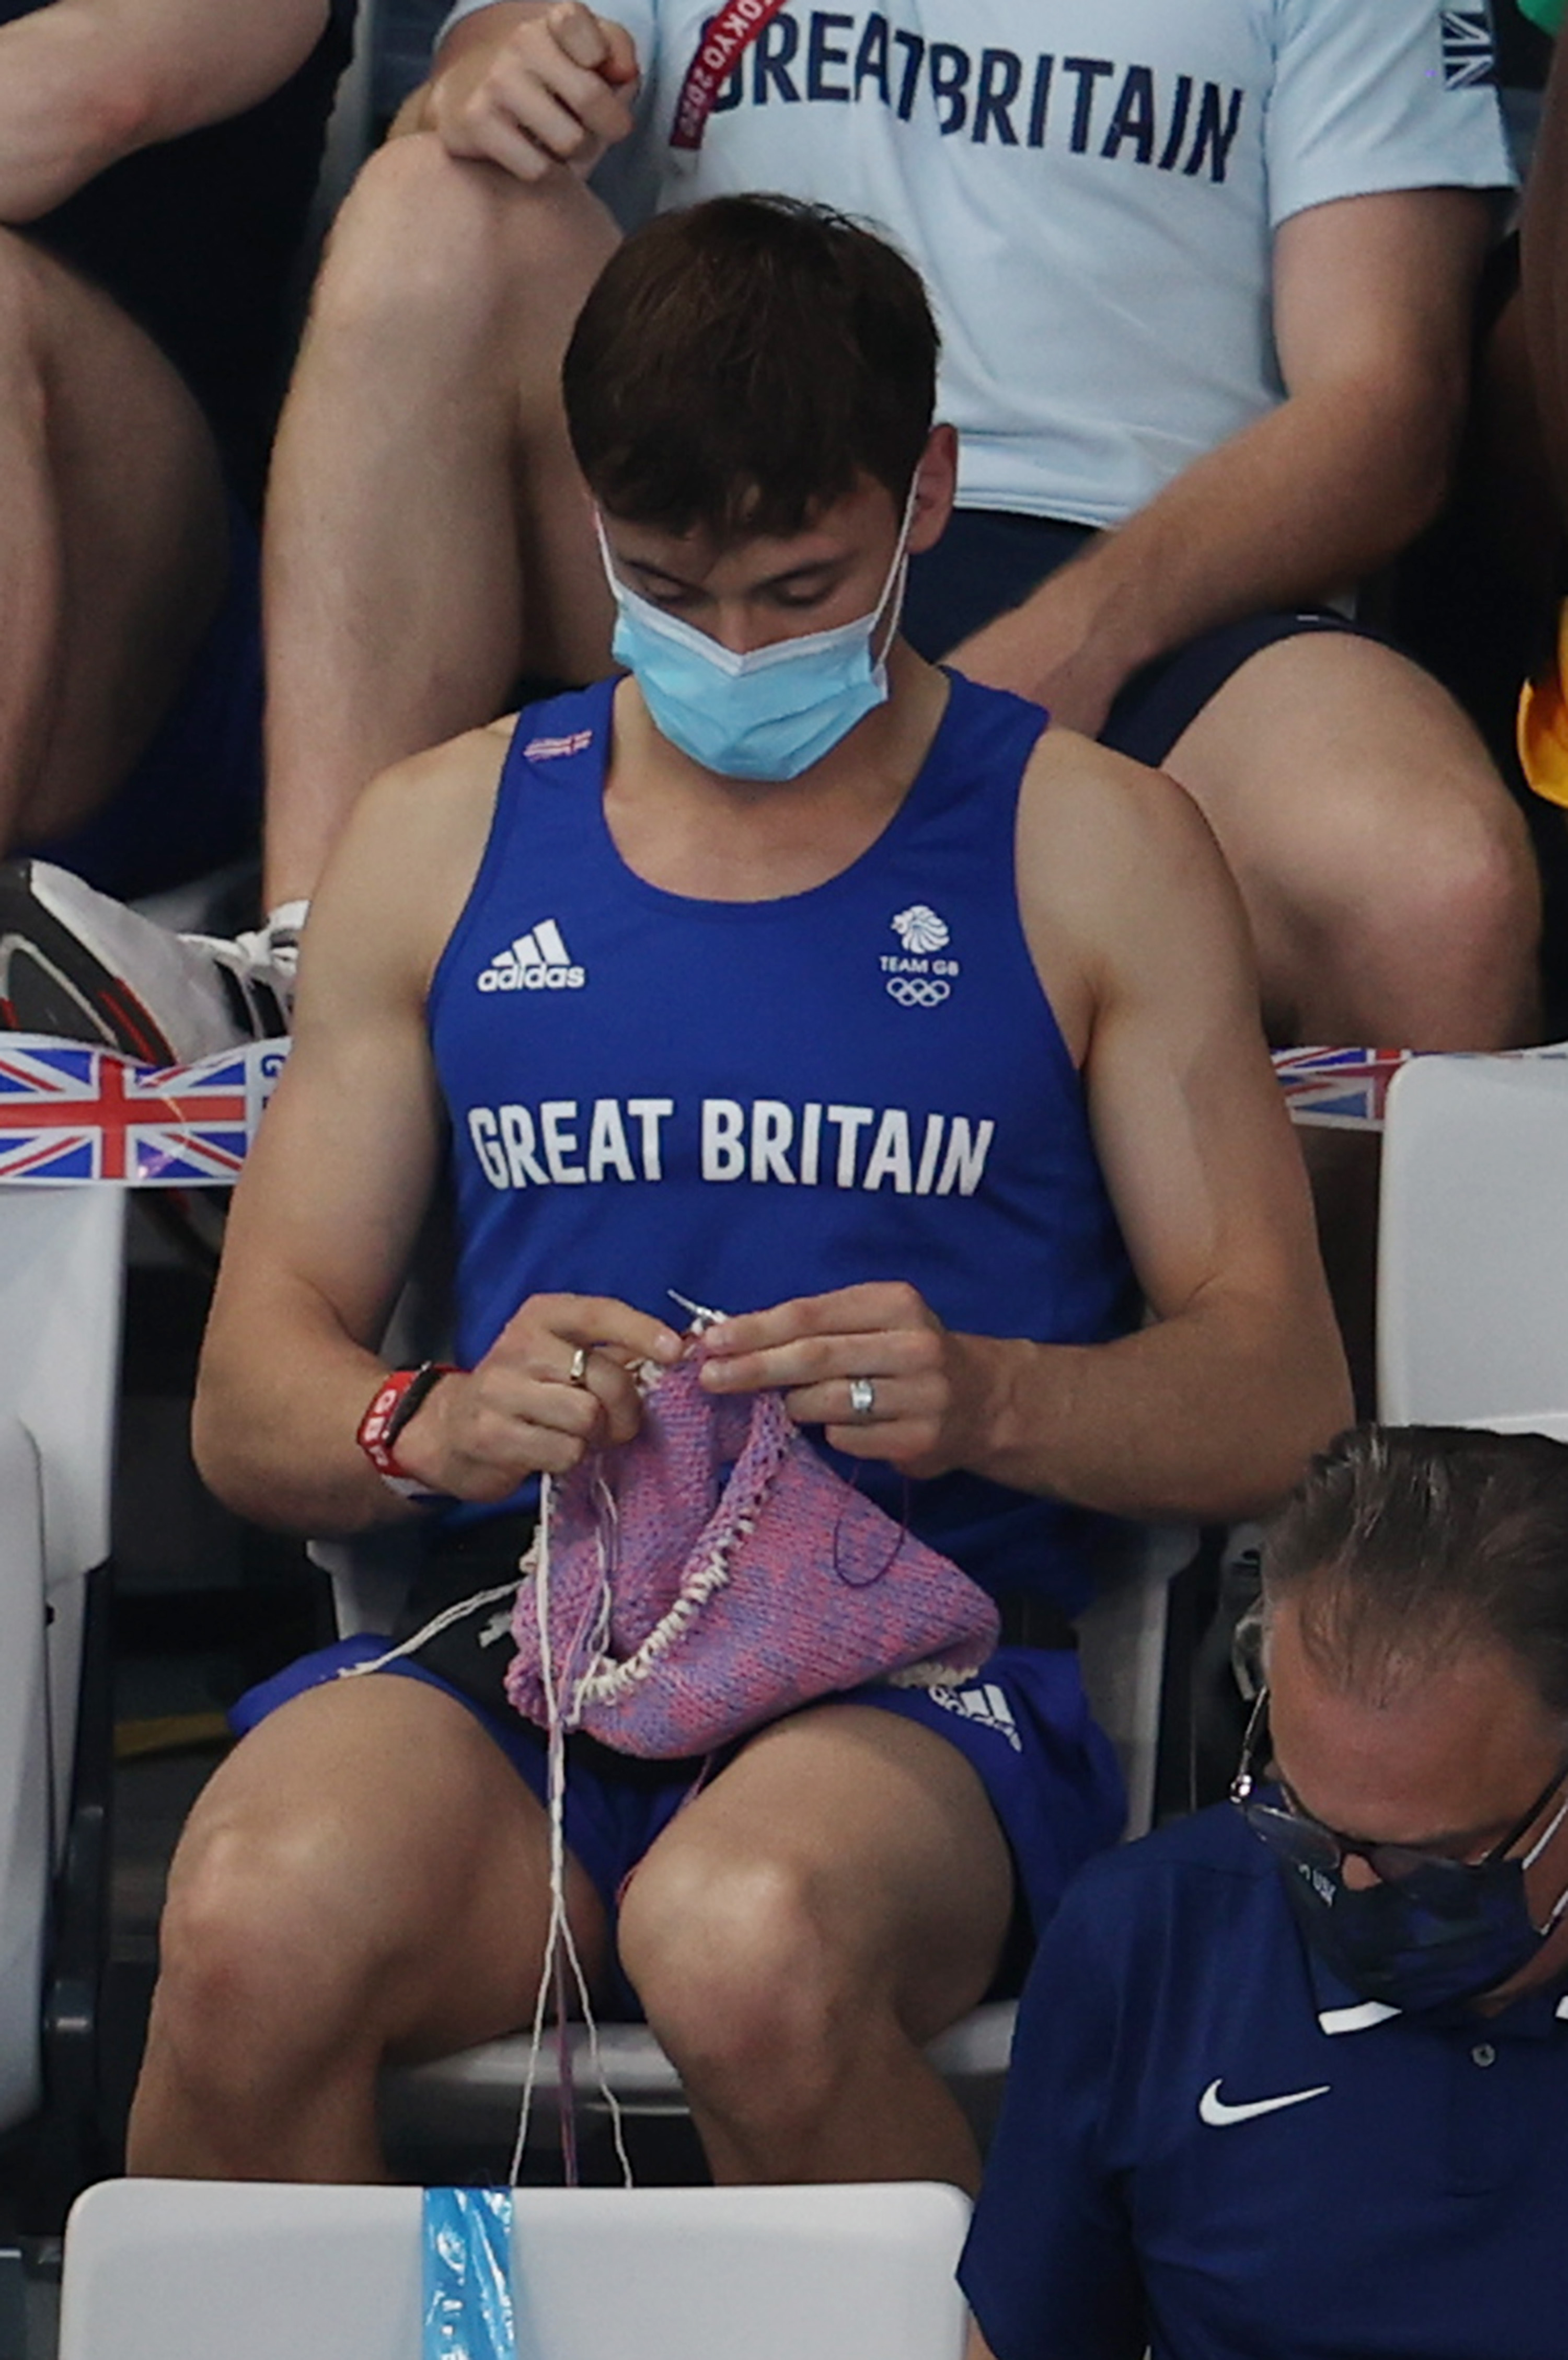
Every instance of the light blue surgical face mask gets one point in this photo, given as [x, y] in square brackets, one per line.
[772, 712]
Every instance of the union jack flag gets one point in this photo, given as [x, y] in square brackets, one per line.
[551, 749]
[1343, 1089]
[71, 1114]
[1347, 1089]
[1467, 54]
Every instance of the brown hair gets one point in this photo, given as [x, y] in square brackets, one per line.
[1404, 1545]
[742, 366]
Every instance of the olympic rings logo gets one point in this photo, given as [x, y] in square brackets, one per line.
[918, 991]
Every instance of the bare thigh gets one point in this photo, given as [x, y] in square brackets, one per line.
[379, 1843]
[117, 536]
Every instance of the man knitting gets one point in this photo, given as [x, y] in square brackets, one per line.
[795, 976]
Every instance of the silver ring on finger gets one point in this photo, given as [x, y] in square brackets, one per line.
[578, 1373]
[862, 1399]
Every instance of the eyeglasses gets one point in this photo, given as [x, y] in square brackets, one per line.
[1307, 1843]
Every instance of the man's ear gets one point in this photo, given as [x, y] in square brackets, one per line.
[936, 485]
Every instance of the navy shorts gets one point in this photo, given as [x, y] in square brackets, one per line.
[1023, 1723]
[192, 803]
[987, 562]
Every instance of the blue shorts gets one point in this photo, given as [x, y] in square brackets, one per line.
[987, 562]
[1023, 1723]
[192, 803]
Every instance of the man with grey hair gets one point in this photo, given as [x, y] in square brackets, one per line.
[1291, 2076]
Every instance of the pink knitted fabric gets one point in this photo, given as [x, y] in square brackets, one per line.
[685, 1610]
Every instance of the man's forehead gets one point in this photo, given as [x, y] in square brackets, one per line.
[833, 532]
[1438, 1747]
[1315, 1636]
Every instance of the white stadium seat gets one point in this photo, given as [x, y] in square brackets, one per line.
[61, 1294]
[1473, 1244]
[184, 2271]
[24, 1776]
[62, 1285]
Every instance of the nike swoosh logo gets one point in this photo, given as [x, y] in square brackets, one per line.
[1213, 2109]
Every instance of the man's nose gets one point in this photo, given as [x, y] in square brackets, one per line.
[736, 628]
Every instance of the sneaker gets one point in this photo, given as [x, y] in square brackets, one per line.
[82, 966]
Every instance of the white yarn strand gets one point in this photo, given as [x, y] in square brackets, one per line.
[434, 1628]
[559, 1936]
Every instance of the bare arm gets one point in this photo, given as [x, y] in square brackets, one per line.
[1211, 1410]
[84, 83]
[333, 1191]
[1372, 301]
[326, 1215]
[530, 85]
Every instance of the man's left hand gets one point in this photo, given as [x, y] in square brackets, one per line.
[931, 1389]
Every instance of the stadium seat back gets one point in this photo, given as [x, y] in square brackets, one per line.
[178, 2270]
[61, 1296]
[25, 1800]
[1473, 1244]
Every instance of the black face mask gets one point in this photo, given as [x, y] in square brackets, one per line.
[1428, 1931]
[1421, 1943]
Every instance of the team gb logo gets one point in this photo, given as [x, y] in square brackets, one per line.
[920, 929]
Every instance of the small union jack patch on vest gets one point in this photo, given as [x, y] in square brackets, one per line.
[1468, 59]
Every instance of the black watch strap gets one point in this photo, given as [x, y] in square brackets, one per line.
[416, 1392]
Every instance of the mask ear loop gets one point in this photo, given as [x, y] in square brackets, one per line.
[1554, 1916]
[891, 600]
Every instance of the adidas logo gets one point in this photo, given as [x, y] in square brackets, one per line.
[537, 961]
[986, 1705]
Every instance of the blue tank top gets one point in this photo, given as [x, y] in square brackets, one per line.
[750, 1102]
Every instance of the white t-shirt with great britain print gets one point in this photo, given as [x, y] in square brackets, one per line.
[1090, 187]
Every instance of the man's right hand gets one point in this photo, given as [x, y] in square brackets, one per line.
[521, 1412]
[557, 90]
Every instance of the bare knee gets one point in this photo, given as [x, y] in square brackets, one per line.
[259, 1972]
[1409, 914]
[1387, 873]
[428, 247]
[743, 1981]
[1454, 920]
[1489, 889]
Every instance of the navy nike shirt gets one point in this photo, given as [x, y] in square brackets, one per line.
[1212, 2149]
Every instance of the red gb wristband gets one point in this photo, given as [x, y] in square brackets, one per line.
[396, 1398]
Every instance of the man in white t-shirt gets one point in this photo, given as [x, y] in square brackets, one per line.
[1203, 274]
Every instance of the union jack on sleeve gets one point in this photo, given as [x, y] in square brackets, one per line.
[1469, 59]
